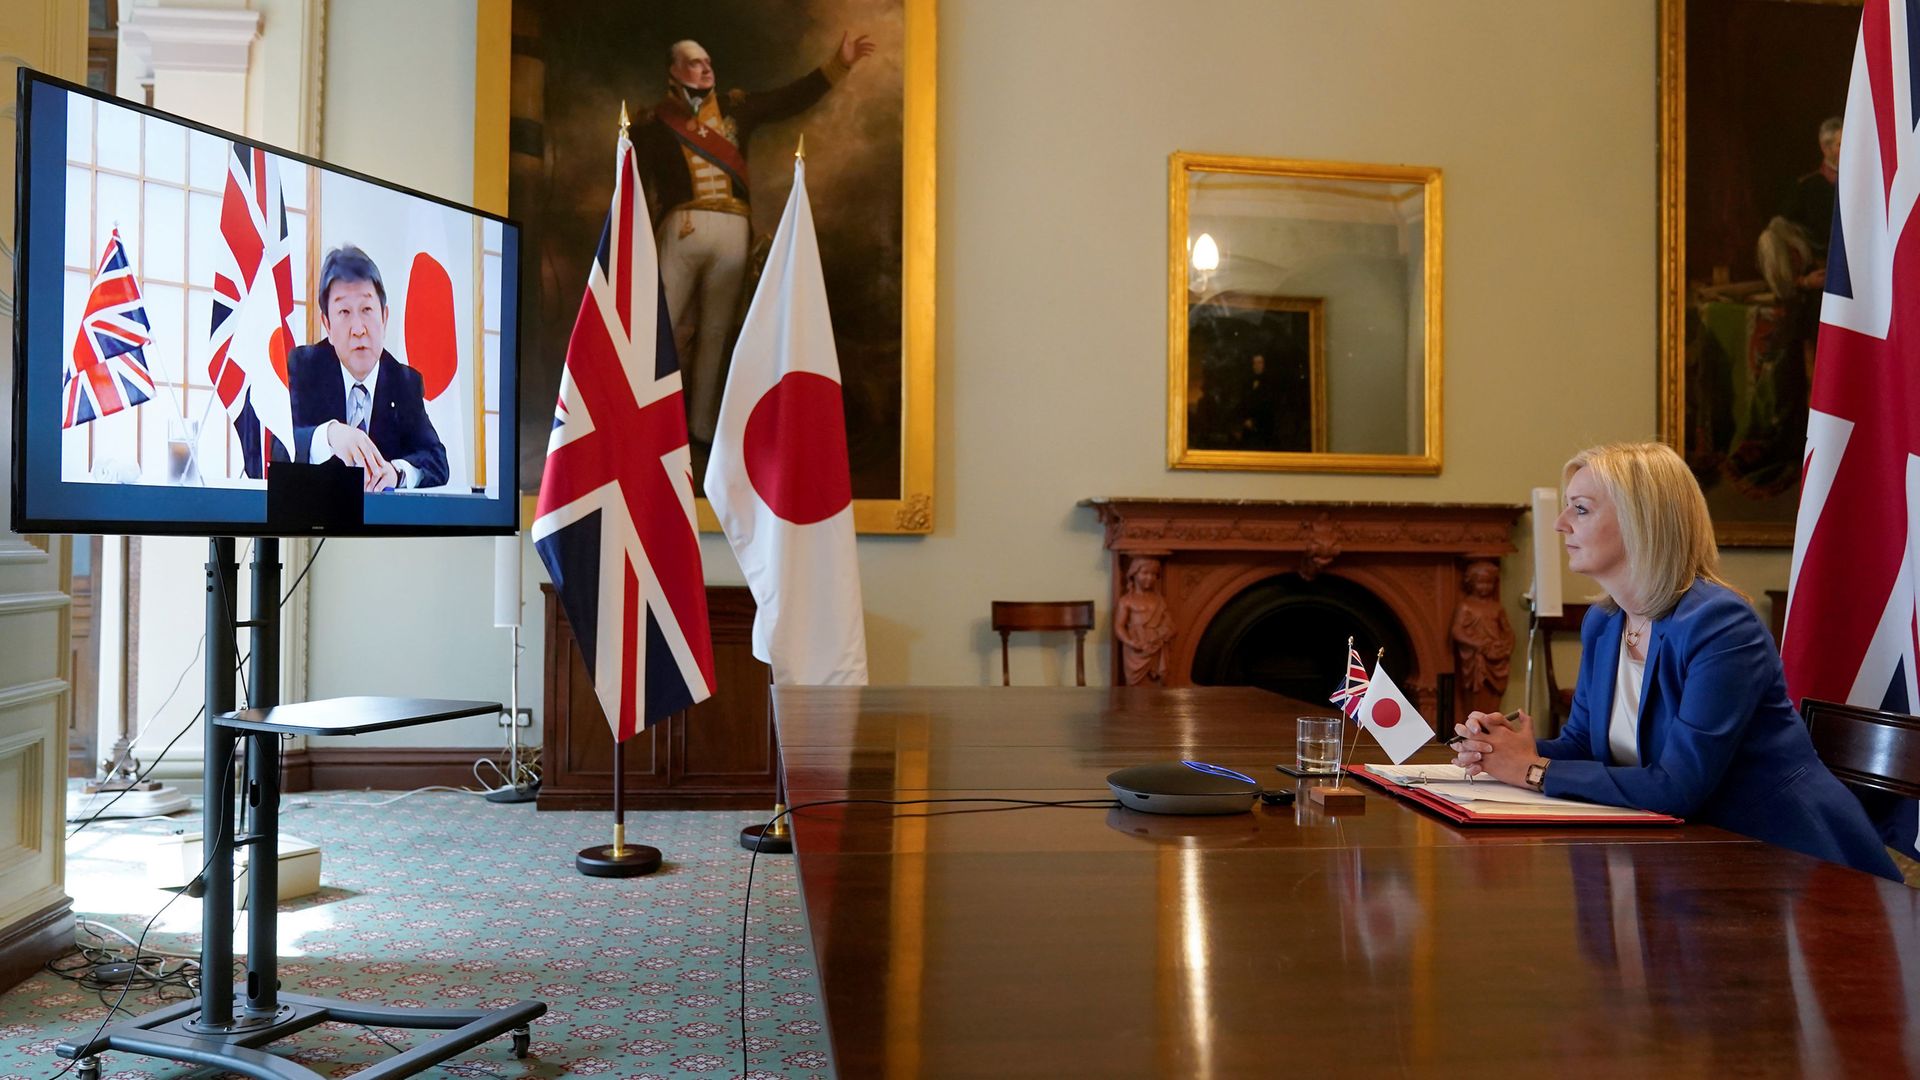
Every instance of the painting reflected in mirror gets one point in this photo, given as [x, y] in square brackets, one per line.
[1304, 329]
[1256, 374]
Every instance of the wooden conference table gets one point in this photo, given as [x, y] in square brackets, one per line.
[960, 941]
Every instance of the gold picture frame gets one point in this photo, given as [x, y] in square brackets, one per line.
[911, 510]
[1735, 356]
[1245, 278]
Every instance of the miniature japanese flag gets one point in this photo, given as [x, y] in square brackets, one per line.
[1392, 720]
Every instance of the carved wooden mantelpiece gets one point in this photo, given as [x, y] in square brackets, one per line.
[1410, 555]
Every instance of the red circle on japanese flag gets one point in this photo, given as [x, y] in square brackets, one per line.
[431, 348]
[1386, 712]
[796, 448]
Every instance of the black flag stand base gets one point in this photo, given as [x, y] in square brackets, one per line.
[619, 859]
[775, 839]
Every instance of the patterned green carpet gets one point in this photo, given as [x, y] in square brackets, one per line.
[446, 901]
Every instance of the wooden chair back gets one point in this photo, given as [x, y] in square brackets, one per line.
[1045, 615]
[1867, 748]
[1566, 624]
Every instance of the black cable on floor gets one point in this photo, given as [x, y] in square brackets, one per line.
[188, 726]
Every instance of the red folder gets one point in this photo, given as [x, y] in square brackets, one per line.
[1518, 815]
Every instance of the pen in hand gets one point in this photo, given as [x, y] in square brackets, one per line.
[1508, 717]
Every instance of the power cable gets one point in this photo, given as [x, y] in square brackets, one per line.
[188, 726]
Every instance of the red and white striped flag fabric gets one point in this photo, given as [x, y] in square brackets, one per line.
[109, 362]
[1852, 627]
[614, 522]
[249, 339]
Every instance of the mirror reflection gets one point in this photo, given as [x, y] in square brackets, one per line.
[1305, 305]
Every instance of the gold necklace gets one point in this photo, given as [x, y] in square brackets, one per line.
[1633, 636]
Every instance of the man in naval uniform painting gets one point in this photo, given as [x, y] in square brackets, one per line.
[692, 157]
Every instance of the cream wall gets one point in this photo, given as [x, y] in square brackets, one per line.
[1055, 122]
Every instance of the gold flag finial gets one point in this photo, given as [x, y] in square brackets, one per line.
[624, 122]
[800, 152]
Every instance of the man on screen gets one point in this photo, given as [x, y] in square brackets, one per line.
[352, 401]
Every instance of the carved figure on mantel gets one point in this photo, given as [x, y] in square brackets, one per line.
[1323, 546]
[1482, 639]
[1143, 624]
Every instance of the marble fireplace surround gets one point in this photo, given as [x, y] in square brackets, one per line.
[1409, 555]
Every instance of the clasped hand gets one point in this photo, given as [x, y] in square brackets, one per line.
[1489, 744]
[355, 447]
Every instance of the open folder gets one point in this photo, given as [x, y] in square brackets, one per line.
[1446, 790]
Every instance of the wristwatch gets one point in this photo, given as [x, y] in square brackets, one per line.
[1537, 775]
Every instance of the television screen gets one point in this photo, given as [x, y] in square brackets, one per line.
[217, 337]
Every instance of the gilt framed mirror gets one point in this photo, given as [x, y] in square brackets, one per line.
[1303, 313]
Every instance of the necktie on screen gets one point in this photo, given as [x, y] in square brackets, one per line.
[359, 404]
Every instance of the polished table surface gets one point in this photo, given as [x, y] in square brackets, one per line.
[967, 940]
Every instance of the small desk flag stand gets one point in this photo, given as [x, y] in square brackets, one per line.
[1335, 797]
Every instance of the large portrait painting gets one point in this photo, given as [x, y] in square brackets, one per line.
[721, 93]
[1751, 95]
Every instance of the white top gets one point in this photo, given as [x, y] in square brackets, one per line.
[1623, 727]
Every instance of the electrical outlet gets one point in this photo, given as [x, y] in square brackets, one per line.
[523, 718]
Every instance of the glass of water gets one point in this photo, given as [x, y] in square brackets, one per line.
[1317, 750]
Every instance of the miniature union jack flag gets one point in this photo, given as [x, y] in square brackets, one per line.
[614, 522]
[109, 369]
[1853, 603]
[1354, 687]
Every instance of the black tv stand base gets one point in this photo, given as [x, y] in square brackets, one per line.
[222, 1028]
[176, 1034]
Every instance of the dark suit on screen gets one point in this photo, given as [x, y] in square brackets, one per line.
[398, 424]
[1722, 745]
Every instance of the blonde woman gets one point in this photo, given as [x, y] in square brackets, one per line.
[1681, 705]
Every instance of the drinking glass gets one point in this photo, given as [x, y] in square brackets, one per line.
[1317, 749]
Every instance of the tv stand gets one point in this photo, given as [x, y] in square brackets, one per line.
[222, 1028]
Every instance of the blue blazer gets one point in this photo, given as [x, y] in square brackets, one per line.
[1720, 742]
[399, 424]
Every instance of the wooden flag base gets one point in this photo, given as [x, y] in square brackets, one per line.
[1339, 800]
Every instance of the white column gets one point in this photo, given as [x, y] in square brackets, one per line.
[199, 58]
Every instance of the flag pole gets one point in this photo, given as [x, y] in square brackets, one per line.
[772, 838]
[618, 859]
[1333, 798]
[1346, 744]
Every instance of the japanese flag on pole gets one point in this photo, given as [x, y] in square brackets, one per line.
[1391, 719]
[778, 477]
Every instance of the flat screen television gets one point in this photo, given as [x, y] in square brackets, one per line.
[217, 337]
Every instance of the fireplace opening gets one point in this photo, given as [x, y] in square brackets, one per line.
[1289, 635]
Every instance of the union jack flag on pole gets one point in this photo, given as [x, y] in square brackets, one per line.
[614, 522]
[249, 339]
[1353, 688]
[109, 365]
[1852, 626]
